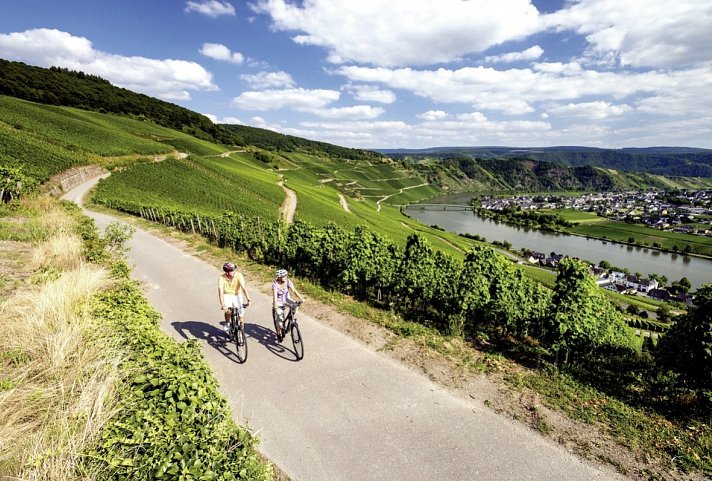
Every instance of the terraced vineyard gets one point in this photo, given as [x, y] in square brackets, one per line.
[43, 140]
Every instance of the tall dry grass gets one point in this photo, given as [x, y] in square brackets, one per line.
[57, 365]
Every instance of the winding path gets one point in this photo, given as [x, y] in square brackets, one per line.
[345, 412]
[289, 206]
[344, 204]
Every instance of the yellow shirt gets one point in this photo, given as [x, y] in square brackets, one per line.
[231, 286]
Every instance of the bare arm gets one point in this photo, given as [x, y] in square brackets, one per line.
[221, 298]
[296, 293]
[244, 289]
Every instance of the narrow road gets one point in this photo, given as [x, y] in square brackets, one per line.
[344, 412]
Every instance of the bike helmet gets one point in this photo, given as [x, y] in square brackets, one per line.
[281, 273]
[229, 267]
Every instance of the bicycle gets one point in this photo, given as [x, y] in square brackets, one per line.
[236, 330]
[291, 325]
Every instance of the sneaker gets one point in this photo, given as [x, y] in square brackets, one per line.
[226, 328]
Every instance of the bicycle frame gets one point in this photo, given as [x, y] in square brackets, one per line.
[289, 316]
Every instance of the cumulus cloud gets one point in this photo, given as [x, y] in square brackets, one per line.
[402, 32]
[168, 79]
[433, 115]
[225, 120]
[268, 80]
[218, 51]
[356, 112]
[597, 110]
[296, 98]
[532, 53]
[465, 129]
[369, 93]
[519, 91]
[641, 33]
[211, 8]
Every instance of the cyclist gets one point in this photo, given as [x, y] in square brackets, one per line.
[282, 288]
[231, 287]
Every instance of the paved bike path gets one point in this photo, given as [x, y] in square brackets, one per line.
[344, 412]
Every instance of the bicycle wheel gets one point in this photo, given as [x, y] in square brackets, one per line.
[297, 341]
[240, 343]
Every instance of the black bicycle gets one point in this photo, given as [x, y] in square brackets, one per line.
[236, 329]
[290, 324]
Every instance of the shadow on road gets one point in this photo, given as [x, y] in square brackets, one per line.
[213, 335]
[268, 338]
[216, 338]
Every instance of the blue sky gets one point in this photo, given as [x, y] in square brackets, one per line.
[398, 73]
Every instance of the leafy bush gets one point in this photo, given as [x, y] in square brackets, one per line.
[171, 422]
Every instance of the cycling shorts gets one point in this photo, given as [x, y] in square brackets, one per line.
[232, 300]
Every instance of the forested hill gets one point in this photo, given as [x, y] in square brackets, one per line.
[60, 86]
[530, 175]
[269, 140]
[672, 161]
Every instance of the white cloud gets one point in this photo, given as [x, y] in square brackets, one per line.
[468, 129]
[369, 93]
[518, 91]
[641, 33]
[211, 8]
[268, 80]
[402, 32]
[433, 115]
[225, 120]
[597, 110]
[356, 112]
[531, 53]
[221, 52]
[296, 98]
[473, 117]
[168, 79]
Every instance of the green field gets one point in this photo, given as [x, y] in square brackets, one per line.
[591, 225]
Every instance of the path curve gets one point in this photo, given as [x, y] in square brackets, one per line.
[345, 412]
[344, 204]
[289, 206]
[400, 191]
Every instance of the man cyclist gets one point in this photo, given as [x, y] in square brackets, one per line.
[282, 288]
[231, 287]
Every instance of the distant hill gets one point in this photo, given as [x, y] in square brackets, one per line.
[670, 161]
[521, 174]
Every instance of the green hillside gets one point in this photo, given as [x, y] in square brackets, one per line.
[42, 140]
[59, 86]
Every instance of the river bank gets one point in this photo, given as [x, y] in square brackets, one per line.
[636, 258]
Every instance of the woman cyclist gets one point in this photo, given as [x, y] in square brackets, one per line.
[282, 288]
[231, 287]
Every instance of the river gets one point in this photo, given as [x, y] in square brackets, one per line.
[636, 259]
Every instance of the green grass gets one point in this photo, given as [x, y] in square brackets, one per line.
[638, 429]
[591, 225]
[75, 130]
